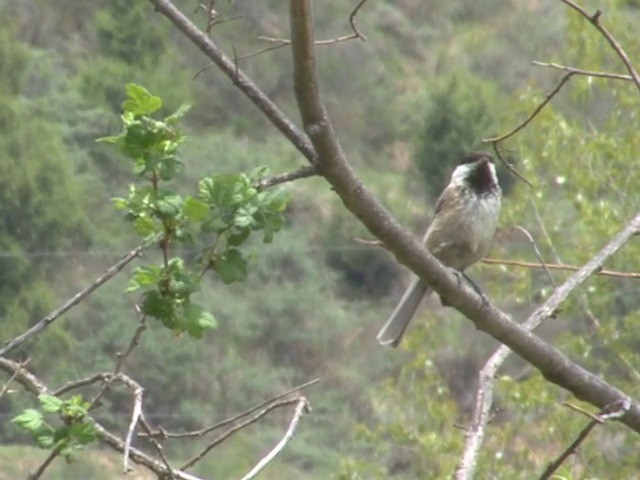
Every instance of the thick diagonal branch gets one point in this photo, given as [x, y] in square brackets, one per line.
[332, 163]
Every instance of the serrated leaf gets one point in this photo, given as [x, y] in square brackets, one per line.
[83, 432]
[29, 419]
[140, 101]
[50, 403]
[44, 437]
[159, 307]
[143, 277]
[197, 320]
[146, 226]
[232, 266]
[195, 210]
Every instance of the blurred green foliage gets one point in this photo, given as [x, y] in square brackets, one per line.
[429, 83]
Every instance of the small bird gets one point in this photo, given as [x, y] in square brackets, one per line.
[461, 233]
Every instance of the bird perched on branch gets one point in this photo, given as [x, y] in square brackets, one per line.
[461, 233]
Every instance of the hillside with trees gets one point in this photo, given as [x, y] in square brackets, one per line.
[220, 270]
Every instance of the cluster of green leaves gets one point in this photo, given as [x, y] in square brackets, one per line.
[220, 218]
[73, 435]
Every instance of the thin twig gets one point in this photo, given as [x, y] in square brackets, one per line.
[586, 413]
[50, 458]
[557, 266]
[224, 436]
[303, 172]
[536, 250]
[199, 433]
[75, 300]
[509, 165]
[135, 416]
[614, 410]
[156, 444]
[5, 387]
[301, 407]
[586, 73]
[352, 21]
[133, 343]
[260, 52]
[83, 382]
[595, 21]
[533, 114]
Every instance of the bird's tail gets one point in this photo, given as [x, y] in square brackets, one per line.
[393, 330]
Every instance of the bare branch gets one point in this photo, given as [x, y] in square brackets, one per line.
[509, 165]
[303, 172]
[201, 40]
[34, 385]
[50, 458]
[595, 21]
[200, 433]
[301, 407]
[5, 387]
[224, 436]
[586, 73]
[83, 382]
[536, 250]
[613, 411]
[558, 266]
[553, 364]
[133, 343]
[484, 398]
[72, 302]
[352, 21]
[533, 114]
[135, 416]
[156, 444]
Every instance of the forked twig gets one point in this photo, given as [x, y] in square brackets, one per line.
[595, 21]
[301, 407]
[533, 114]
[586, 73]
[615, 410]
[199, 433]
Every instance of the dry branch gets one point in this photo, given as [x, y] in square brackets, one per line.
[615, 45]
[301, 407]
[484, 398]
[611, 411]
[559, 266]
[586, 73]
[69, 304]
[34, 385]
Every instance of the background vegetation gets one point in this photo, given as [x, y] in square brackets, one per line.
[429, 83]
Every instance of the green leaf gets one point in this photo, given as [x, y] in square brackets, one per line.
[232, 266]
[159, 307]
[146, 226]
[169, 205]
[44, 437]
[140, 101]
[197, 320]
[178, 114]
[83, 432]
[29, 419]
[195, 210]
[144, 277]
[238, 237]
[50, 403]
